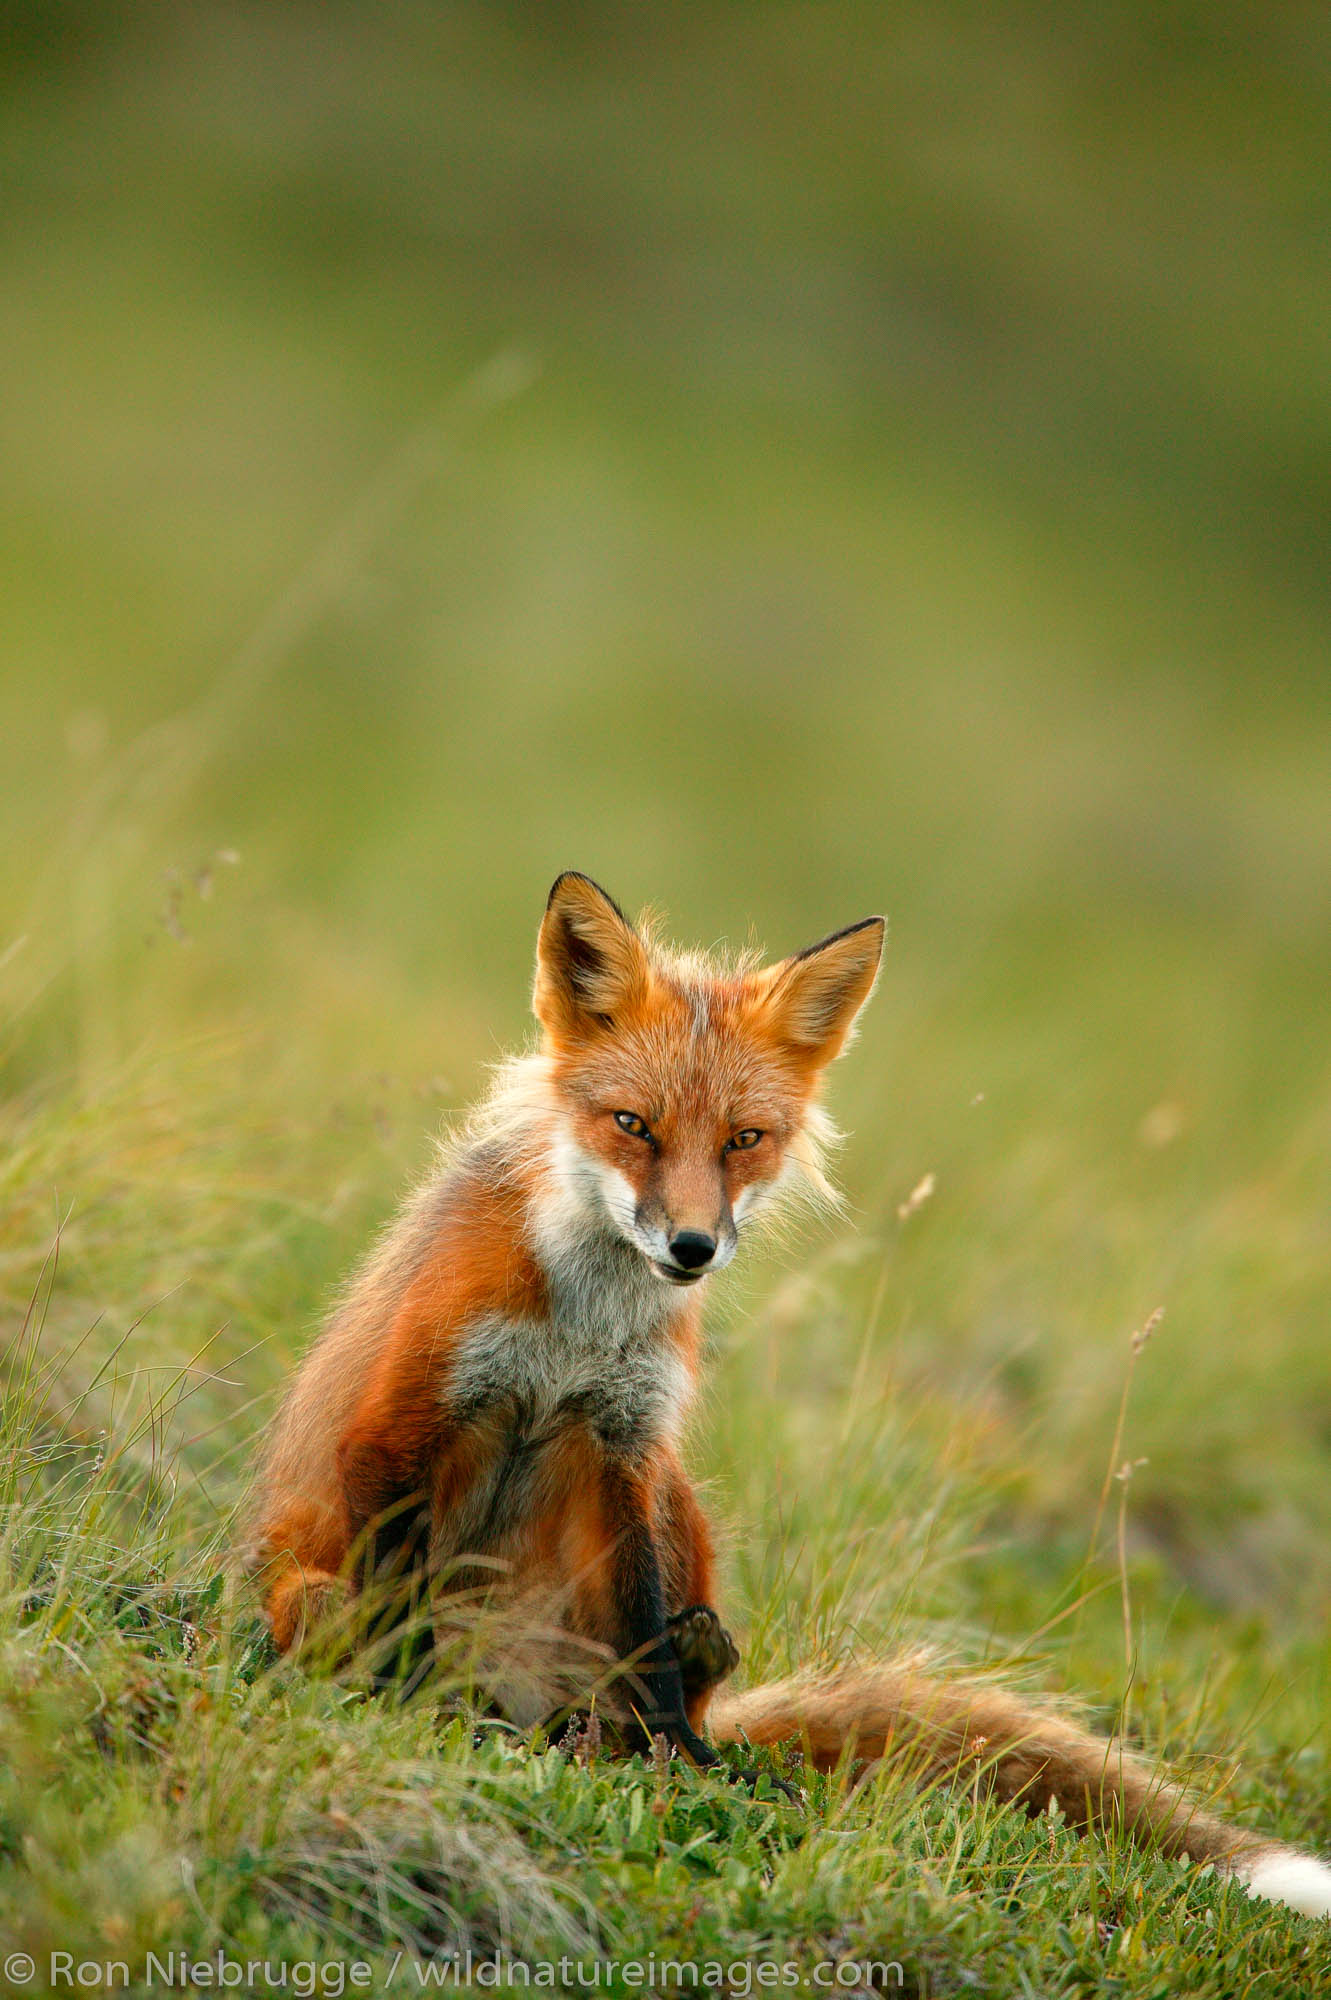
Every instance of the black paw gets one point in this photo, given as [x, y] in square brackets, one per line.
[659, 1737]
[705, 1650]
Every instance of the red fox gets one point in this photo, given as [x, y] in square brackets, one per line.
[501, 1393]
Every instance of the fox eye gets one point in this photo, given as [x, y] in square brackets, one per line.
[742, 1141]
[629, 1121]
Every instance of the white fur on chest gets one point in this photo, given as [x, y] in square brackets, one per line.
[606, 1350]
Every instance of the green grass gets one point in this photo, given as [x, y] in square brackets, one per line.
[788, 462]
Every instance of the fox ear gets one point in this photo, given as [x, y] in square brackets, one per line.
[812, 999]
[590, 961]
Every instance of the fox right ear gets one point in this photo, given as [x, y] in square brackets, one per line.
[590, 962]
[811, 1000]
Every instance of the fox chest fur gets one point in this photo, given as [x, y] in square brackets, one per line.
[603, 1370]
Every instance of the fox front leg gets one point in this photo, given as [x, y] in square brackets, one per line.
[641, 1633]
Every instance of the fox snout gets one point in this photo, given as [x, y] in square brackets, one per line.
[687, 1251]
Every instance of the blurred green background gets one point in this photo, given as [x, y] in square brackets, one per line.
[787, 461]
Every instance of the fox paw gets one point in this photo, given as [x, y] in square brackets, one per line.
[705, 1650]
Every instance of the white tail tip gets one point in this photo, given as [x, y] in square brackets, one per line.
[1297, 1880]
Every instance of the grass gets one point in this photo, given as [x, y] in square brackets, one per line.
[787, 462]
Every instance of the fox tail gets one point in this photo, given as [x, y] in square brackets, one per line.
[1025, 1754]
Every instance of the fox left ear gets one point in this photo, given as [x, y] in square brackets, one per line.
[813, 998]
[590, 962]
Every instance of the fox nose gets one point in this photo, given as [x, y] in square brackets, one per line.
[691, 1249]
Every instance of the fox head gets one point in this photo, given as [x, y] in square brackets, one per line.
[685, 1093]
